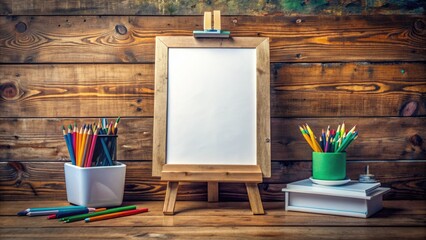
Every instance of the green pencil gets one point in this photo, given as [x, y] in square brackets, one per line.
[88, 215]
[349, 138]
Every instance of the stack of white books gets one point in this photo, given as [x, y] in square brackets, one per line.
[352, 199]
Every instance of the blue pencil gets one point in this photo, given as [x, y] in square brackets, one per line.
[24, 212]
[104, 146]
[69, 145]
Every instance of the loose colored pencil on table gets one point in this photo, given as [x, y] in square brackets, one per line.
[89, 215]
[59, 211]
[62, 214]
[24, 212]
[116, 215]
[330, 140]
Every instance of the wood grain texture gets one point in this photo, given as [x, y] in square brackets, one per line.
[399, 207]
[193, 7]
[352, 89]
[254, 199]
[230, 220]
[223, 232]
[160, 107]
[297, 90]
[263, 110]
[211, 173]
[203, 214]
[76, 90]
[115, 39]
[212, 191]
[28, 181]
[39, 139]
[170, 198]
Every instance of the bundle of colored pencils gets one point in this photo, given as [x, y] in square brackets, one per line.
[69, 214]
[330, 140]
[81, 143]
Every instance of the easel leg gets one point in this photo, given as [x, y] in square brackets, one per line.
[254, 198]
[170, 200]
[213, 191]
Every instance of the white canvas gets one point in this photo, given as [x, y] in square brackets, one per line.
[211, 106]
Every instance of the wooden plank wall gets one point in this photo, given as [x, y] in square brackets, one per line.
[66, 61]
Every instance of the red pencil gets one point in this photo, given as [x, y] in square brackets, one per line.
[92, 149]
[116, 215]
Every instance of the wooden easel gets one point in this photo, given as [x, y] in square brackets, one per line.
[212, 173]
[251, 175]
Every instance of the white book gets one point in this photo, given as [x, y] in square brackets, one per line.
[314, 202]
[353, 188]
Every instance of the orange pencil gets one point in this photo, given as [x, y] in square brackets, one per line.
[100, 209]
[78, 144]
[86, 146]
[116, 215]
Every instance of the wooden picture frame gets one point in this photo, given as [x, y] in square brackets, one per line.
[212, 173]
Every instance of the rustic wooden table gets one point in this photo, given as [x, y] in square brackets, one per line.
[223, 220]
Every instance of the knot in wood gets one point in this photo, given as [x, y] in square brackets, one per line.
[120, 29]
[409, 109]
[21, 27]
[9, 90]
[419, 25]
[416, 140]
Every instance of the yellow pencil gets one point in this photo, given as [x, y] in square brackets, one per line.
[82, 145]
[315, 142]
[86, 146]
[306, 137]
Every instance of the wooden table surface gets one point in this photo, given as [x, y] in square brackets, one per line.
[223, 220]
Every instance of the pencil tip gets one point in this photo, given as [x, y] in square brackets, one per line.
[22, 213]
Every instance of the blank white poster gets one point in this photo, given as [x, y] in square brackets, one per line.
[211, 115]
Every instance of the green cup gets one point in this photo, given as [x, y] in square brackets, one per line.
[329, 166]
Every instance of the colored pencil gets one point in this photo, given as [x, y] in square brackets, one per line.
[74, 139]
[105, 148]
[116, 125]
[311, 133]
[92, 148]
[24, 212]
[86, 146]
[116, 215]
[330, 140]
[80, 139]
[305, 135]
[109, 128]
[63, 214]
[89, 215]
[69, 146]
[83, 144]
[49, 212]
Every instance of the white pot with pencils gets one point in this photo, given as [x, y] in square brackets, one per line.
[94, 178]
